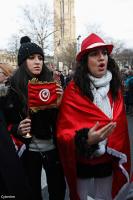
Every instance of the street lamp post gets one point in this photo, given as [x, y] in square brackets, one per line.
[78, 43]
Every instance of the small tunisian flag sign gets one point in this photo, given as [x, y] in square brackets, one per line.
[41, 94]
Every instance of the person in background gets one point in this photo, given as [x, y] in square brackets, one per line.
[6, 71]
[41, 147]
[68, 77]
[128, 83]
[92, 131]
[13, 183]
[59, 77]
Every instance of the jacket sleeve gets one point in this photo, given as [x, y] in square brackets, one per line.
[82, 146]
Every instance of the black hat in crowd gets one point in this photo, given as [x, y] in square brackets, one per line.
[27, 49]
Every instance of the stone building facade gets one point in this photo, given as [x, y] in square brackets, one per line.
[8, 57]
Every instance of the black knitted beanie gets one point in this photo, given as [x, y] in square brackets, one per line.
[27, 49]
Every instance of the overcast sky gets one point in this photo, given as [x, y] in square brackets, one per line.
[114, 17]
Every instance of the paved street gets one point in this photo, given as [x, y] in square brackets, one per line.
[44, 185]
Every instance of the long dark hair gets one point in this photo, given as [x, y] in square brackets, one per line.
[83, 82]
[19, 82]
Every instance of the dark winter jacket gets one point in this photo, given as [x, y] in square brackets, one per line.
[43, 122]
[13, 182]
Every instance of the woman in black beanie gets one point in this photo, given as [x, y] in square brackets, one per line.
[41, 147]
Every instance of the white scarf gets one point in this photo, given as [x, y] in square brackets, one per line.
[100, 88]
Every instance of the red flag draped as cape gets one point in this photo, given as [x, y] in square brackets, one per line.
[41, 94]
[77, 112]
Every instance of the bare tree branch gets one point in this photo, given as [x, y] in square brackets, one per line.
[38, 24]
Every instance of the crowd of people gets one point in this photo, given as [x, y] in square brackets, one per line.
[127, 77]
[81, 140]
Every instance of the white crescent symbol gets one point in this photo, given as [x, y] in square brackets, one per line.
[44, 95]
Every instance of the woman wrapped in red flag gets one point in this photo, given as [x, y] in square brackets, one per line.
[92, 130]
[41, 147]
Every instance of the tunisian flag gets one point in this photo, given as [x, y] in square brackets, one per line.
[77, 112]
[41, 95]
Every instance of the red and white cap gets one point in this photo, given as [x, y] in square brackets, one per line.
[91, 42]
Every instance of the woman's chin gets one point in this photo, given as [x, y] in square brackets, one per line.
[36, 73]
